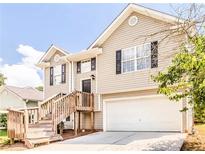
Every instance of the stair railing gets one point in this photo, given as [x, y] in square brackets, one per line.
[62, 108]
[66, 105]
[46, 106]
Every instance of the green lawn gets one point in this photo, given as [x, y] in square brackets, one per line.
[3, 133]
[3, 137]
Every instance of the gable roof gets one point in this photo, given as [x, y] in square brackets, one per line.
[25, 93]
[50, 52]
[125, 13]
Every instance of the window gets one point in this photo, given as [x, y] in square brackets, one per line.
[63, 77]
[136, 58]
[57, 74]
[85, 66]
[51, 76]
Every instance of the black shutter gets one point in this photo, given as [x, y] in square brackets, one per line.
[51, 76]
[118, 62]
[93, 64]
[63, 73]
[154, 54]
[78, 67]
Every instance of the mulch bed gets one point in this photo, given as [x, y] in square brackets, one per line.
[194, 142]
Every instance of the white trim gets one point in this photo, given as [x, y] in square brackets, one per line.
[130, 90]
[96, 74]
[44, 82]
[49, 50]
[69, 76]
[133, 97]
[130, 98]
[72, 88]
[125, 13]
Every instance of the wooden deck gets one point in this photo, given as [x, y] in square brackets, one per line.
[33, 125]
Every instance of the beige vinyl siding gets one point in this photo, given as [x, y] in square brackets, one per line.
[85, 117]
[78, 77]
[126, 36]
[54, 89]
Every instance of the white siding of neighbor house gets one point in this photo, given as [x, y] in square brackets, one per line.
[8, 100]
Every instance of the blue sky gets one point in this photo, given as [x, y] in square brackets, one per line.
[72, 27]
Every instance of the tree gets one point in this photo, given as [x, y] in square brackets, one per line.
[185, 77]
[3, 120]
[2, 79]
[40, 88]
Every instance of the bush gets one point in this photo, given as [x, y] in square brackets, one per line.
[199, 114]
[3, 120]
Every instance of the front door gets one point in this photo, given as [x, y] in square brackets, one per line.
[86, 85]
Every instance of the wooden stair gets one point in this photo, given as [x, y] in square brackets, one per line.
[41, 133]
[48, 115]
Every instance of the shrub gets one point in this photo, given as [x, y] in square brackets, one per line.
[3, 120]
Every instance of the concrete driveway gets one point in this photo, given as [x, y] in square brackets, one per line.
[101, 141]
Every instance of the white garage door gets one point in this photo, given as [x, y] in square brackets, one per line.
[155, 113]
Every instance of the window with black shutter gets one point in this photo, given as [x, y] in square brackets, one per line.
[51, 76]
[118, 62]
[78, 67]
[154, 54]
[63, 73]
[93, 64]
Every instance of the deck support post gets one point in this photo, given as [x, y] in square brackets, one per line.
[79, 121]
[76, 122]
[92, 120]
[11, 140]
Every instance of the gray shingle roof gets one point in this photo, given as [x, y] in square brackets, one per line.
[28, 93]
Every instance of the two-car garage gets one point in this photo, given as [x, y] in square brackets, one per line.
[150, 113]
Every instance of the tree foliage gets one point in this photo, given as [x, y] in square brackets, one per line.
[185, 77]
[3, 120]
[40, 88]
[2, 79]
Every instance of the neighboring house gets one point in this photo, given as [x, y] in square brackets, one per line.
[117, 68]
[19, 98]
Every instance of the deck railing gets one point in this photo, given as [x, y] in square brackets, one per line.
[16, 125]
[59, 106]
[46, 106]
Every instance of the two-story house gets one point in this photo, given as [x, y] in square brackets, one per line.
[117, 69]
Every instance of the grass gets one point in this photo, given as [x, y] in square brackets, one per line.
[3, 137]
[3, 133]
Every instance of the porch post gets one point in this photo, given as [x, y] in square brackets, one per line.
[76, 123]
[92, 120]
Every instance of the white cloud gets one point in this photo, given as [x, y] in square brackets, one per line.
[24, 73]
[1, 59]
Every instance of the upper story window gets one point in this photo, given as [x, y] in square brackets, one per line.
[58, 74]
[86, 65]
[136, 58]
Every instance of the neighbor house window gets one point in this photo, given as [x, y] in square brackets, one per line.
[136, 58]
[85, 66]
